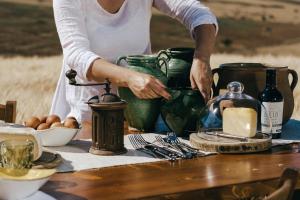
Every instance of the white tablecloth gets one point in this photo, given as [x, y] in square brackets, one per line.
[76, 156]
[40, 196]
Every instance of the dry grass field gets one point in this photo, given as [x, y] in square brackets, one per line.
[32, 81]
[247, 29]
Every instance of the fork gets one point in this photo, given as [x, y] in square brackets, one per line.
[137, 145]
[161, 141]
[157, 149]
[186, 154]
[173, 139]
[140, 148]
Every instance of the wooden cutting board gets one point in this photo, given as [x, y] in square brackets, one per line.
[212, 143]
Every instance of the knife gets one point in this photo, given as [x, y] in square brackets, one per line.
[224, 135]
[159, 152]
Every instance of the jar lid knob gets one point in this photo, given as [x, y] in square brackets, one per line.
[235, 87]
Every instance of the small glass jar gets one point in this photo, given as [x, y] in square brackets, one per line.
[234, 113]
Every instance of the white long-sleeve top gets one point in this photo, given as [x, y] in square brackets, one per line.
[88, 32]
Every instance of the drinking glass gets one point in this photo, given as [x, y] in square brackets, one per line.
[16, 154]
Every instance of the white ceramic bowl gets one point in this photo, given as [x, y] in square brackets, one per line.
[22, 183]
[57, 136]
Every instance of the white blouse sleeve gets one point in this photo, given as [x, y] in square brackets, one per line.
[191, 13]
[71, 28]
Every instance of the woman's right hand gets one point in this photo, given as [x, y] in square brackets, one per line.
[146, 86]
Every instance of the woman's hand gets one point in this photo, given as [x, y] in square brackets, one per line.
[201, 77]
[145, 86]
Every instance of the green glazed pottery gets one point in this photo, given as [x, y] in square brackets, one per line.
[179, 66]
[142, 113]
[183, 111]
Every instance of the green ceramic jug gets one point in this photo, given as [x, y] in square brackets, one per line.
[142, 113]
[179, 66]
[183, 111]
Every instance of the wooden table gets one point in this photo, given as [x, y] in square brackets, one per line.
[212, 177]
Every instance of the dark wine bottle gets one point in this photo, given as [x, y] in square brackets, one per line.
[272, 102]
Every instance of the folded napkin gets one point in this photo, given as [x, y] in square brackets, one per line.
[290, 133]
[76, 155]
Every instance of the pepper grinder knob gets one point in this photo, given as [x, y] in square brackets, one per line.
[71, 74]
[107, 87]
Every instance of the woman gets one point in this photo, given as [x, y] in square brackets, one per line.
[94, 33]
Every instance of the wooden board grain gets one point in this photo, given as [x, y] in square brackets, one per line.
[209, 143]
[161, 179]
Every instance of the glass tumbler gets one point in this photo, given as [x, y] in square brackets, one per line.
[16, 154]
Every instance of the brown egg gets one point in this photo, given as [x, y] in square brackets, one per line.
[71, 117]
[32, 122]
[56, 124]
[43, 119]
[70, 123]
[43, 126]
[52, 119]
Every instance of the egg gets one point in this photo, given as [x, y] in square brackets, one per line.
[32, 122]
[56, 124]
[71, 117]
[52, 119]
[43, 126]
[70, 123]
[43, 119]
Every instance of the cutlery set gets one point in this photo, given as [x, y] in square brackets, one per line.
[168, 148]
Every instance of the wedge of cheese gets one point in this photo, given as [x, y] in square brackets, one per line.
[9, 133]
[240, 121]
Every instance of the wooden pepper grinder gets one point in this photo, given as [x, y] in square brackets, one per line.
[107, 120]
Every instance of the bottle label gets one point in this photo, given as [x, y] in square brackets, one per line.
[275, 111]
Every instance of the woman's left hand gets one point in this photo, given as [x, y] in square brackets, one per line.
[201, 77]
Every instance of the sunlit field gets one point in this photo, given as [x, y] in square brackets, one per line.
[31, 81]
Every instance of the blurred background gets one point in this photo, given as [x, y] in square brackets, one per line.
[266, 31]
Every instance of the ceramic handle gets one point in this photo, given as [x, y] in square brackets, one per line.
[165, 62]
[120, 59]
[165, 53]
[214, 87]
[295, 78]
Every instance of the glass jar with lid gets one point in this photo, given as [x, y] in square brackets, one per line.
[235, 113]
